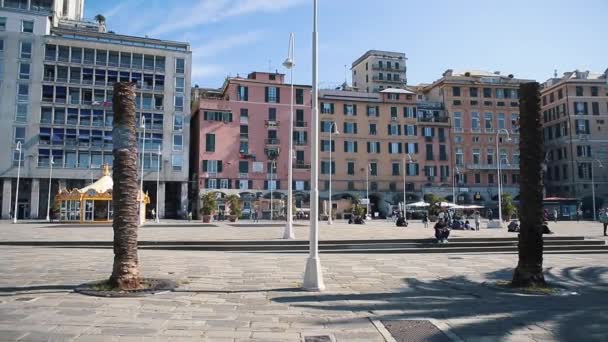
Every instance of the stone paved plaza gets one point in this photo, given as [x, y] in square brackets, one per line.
[236, 296]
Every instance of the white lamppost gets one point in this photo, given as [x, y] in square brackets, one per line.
[313, 277]
[19, 149]
[158, 182]
[273, 164]
[593, 184]
[332, 127]
[409, 157]
[498, 171]
[140, 197]
[48, 200]
[290, 64]
[369, 169]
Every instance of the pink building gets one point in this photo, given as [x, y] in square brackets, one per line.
[241, 137]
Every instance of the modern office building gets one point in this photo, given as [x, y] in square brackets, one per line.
[57, 104]
[241, 138]
[375, 134]
[484, 113]
[377, 70]
[575, 121]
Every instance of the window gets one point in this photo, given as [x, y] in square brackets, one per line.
[373, 147]
[325, 145]
[179, 85]
[475, 122]
[595, 108]
[487, 92]
[2, 23]
[372, 129]
[23, 92]
[490, 156]
[299, 96]
[473, 92]
[580, 108]
[180, 65]
[372, 111]
[350, 168]
[327, 108]
[24, 71]
[350, 128]
[412, 148]
[443, 153]
[429, 152]
[394, 148]
[582, 126]
[27, 26]
[217, 116]
[350, 146]
[501, 120]
[210, 142]
[21, 113]
[394, 129]
[488, 121]
[26, 50]
[455, 91]
[373, 169]
[594, 91]
[1, 44]
[393, 112]
[579, 91]
[179, 103]
[396, 167]
[178, 142]
[411, 130]
[458, 121]
[325, 167]
[350, 110]
[178, 122]
[273, 95]
[19, 135]
[177, 162]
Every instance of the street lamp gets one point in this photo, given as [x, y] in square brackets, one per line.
[313, 277]
[157, 182]
[457, 172]
[142, 124]
[369, 169]
[332, 127]
[19, 149]
[404, 194]
[48, 201]
[273, 164]
[290, 64]
[498, 171]
[593, 184]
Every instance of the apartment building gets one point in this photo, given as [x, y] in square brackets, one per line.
[377, 70]
[373, 133]
[57, 104]
[484, 112]
[575, 116]
[241, 138]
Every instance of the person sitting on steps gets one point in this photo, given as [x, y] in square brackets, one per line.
[442, 232]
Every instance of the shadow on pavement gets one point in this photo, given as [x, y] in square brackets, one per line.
[35, 289]
[475, 310]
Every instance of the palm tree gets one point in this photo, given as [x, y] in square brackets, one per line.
[100, 19]
[125, 273]
[529, 271]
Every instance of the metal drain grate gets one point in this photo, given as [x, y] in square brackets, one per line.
[323, 338]
[415, 331]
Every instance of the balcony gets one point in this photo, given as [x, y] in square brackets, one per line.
[271, 123]
[430, 105]
[386, 68]
[300, 124]
[272, 142]
[443, 119]
[492, 167]
[244, 136]
[395, 81]
[301, 165]
[300, 142]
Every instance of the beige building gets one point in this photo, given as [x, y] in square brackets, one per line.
[379, 70]
[484, 111]
[574, 116]
[375, 132]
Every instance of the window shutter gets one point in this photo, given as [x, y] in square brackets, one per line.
[343, 128]
[390, 147]
[345, 109]
[305, 136]
[400, 148]
[278, 184]
[587, 127]
[204, 166]
[378, 145]
[278, 95]
[266, 94]
[355, 124]
[415, 130]
[333, 145]
[588, 151]
[432, 131]
[332, 107]
[229, 184]
[250, 184]
[367, 110]
[246, 93]
[417, 170]
[416, 148]
[219, 166]
[414, 110]
[356, 147]
[322, 105]
[355, 109]
[206, 183]
[368, 147]
[578, 151]
[435, 170]
[306, 185]
[426, 171]
[398, 129]
[388, 129]
[377, 110]
[345, 146]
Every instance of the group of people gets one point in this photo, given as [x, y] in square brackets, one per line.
[446, 222]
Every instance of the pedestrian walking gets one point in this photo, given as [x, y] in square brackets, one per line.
[490, 214]
[579, 214]
[425, 220]
[604, 219]
[477, 220]
[555, 215]
[153, 213]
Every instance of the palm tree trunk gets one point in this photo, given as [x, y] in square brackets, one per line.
[529, 271]
[125, 273]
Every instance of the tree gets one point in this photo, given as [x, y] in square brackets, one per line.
[508, 208]
[209, 205]
[126, 192]
[234, 201]
[529, 271]
[433, 201]
[100, 19]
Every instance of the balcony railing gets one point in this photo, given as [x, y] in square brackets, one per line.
[435, 119]
[273, 142]
[376, 78]
[385, 67]
[300, 142]
[299, 124]
[271, 123]
[492, 166]
[301, 165]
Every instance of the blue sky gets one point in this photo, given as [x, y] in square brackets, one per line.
[528, 38]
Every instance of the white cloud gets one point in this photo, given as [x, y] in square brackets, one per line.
[216, 46]
[113, 11]
[208, 11]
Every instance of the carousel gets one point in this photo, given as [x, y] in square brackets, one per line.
[93, 203]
